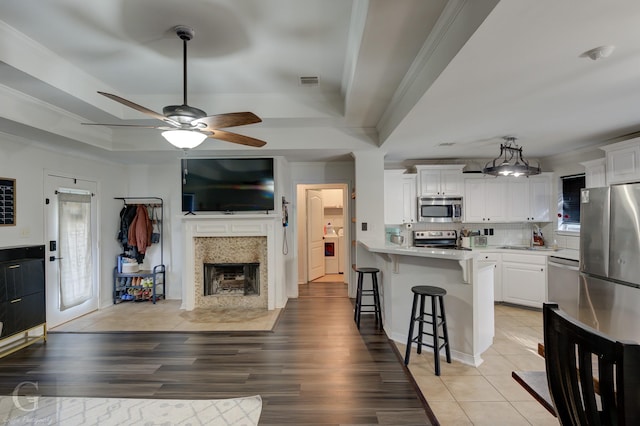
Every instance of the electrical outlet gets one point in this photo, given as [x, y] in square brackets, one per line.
[364, 226]
[25, 232]
[490, 231]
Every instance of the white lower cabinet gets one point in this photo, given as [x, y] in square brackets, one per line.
[524, 279]
[496, 259]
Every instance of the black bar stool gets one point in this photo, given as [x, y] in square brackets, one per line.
[373, 292]
[433, 319]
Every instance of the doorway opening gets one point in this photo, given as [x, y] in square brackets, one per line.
[324, 229]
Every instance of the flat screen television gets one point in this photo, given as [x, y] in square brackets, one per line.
[227, 184]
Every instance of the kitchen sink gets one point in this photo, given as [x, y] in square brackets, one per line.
[535, 248]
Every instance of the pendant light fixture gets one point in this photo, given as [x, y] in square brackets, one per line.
[510, 161]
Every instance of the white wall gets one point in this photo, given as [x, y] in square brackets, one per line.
[302, 174]
[286, 257]
[26, 162]
[369, 168]
[163, 180]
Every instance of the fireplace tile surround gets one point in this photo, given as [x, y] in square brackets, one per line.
[235, 249]
[227, 239]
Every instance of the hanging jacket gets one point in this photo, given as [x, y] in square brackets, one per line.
[140, 230]
[127, 214]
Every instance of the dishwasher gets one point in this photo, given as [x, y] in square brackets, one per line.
[563, 284]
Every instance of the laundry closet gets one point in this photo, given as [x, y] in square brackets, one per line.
[333, 220]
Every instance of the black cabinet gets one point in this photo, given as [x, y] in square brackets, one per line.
[22, 291]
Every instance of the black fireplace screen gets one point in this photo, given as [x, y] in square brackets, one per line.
[231, 279]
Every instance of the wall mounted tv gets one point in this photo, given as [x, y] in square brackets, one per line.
[227, 184]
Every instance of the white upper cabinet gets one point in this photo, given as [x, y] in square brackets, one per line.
[529, 199]
[518, 208]
[623, 161]
[484, 200]
[595, 173]
[508, 199]
[540, 197]
[400, 198]
[332, 198]
[440, 180]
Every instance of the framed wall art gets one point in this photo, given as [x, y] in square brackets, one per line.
[7, 202]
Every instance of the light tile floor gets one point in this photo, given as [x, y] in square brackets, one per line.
[166, 315]
[488, 395]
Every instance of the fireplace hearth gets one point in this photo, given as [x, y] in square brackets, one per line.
[233, 279]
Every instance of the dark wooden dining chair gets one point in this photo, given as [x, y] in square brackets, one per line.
[572, 349]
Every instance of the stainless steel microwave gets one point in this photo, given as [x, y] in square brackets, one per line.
[439, 209]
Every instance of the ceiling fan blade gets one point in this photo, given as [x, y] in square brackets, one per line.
[221, 121]
[140, 108]
[236, 138]
[129, 125]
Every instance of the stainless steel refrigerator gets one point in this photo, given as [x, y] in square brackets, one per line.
[609, 298]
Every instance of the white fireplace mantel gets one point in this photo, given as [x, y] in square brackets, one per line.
[245, 225]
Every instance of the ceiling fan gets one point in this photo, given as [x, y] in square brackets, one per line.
[186, 127]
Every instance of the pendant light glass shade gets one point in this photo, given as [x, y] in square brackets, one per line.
[510, 161]
[184, 139]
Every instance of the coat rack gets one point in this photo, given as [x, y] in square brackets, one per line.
[118, 287]
[150, 204]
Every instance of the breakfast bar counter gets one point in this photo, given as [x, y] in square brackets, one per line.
[466, 277]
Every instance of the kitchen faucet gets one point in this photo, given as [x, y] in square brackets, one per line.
[536, 236]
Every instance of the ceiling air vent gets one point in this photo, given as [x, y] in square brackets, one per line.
[309, 81]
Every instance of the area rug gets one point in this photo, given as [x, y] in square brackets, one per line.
[68, 411]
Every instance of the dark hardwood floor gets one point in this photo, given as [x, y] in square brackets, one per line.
[315, 368]
[322, 289]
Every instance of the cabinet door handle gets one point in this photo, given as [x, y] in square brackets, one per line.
[14, 266]
[16, 300]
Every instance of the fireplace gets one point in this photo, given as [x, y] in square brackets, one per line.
[233, 279]
[231, 239]
[230, 254]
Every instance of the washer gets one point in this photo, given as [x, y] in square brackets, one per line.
[331, 254]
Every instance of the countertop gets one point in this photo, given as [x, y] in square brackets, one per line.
[563, 253]
[391, 248]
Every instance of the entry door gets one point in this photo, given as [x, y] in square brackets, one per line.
[315, 234]
[72, 248]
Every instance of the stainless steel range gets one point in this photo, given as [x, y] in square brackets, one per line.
[436, 239]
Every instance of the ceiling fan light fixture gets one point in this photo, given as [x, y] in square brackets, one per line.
[184, 139]
[190, 126]
[510, 162]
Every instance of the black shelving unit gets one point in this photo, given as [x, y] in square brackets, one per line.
[124, 283]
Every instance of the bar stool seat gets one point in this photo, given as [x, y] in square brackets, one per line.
[374, 292]
[433, 318]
